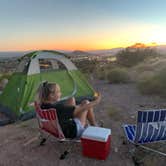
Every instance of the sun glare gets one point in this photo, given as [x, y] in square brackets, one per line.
[156, 35]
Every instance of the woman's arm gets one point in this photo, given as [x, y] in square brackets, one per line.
[87, 106]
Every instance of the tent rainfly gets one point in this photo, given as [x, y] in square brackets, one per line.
[16, 101]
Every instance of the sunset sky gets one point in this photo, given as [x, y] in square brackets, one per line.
[80, 24]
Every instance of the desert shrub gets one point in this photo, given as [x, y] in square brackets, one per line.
[3, 76]
[118, 75]
[144, 75]
[132, 56]
[86, 66]
[151, 64]
[154, 85]
[101, 73]
[148, 68]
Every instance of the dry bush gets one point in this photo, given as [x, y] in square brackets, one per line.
[133, 56]
[101, 73]
[5, 76]
[144, 75]
[150, 67]
[118, 75]
[154, 85]
[86, 66]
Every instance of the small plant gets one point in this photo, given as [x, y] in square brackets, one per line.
[101, 73]
[154, 85]
[86, 66]
[5, 76]
[118, 75]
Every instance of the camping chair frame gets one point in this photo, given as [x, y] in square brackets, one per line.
[150, 128]
[49, 125]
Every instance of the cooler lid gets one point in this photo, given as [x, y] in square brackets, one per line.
[96, 133]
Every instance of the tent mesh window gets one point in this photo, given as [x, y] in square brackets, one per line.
[51, 65]
[23, 65]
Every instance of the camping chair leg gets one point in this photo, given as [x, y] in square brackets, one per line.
[153, 150]
[42, 137]
[132, 151]
[150, 151]
[42, 141]
[69, 149]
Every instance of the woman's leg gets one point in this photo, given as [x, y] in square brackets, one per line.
[91, 117]
[90, 114]
[87, 115]
[82, 117]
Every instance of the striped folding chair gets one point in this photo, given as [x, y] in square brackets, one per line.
[48, 123]
[151, 127]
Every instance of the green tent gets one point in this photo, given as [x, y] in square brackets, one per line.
[17, 98]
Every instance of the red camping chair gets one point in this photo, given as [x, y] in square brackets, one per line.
[49, 124]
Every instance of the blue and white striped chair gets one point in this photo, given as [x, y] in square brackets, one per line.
[151, 127]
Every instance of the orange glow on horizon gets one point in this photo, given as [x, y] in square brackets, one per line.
[93, 39]
[74, 46]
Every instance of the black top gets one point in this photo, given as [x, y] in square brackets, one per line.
[65, 117]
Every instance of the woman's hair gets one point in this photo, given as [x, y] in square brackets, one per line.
[44, 90]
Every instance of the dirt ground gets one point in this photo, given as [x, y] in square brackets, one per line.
[119, 105]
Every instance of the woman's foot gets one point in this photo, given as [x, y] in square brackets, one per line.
[100, 123]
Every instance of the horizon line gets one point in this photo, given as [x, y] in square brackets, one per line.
[70, 50]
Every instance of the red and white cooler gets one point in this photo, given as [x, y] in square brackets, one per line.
[95, 142]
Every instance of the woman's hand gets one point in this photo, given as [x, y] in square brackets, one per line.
[94, 102]
[97, 98]
[86, 105]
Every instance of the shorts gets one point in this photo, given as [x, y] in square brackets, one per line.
[80, 127]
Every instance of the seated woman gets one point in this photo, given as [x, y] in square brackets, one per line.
[72, 118]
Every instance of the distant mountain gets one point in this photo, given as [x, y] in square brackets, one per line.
[112, 51]
[159, 48]
[11, 54]
[80, 53]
